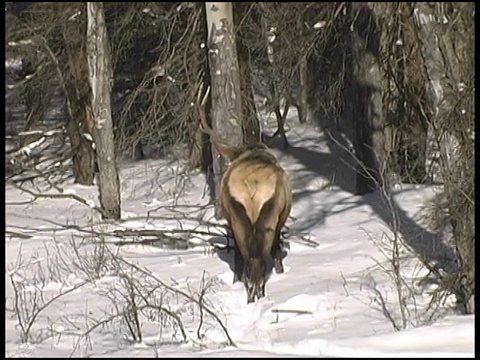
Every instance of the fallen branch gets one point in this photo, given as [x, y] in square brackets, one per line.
[16, 234]
[172, 242]
[287, 311]
[299, 238]
[59, 196]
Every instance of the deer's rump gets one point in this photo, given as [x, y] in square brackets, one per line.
[252, 185]
[255, 200]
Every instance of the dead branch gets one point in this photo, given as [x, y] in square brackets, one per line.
[16, 234]
[288, 311]
[57, 196]
[184, 294]
[27, 313]
[299, 238]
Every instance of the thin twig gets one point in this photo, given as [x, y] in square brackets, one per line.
[59, 196]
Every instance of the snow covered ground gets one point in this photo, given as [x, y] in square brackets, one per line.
[335, 299]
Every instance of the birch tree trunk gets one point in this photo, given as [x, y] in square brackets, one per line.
[226, 110]
[100, 75]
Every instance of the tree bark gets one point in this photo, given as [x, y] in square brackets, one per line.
[200, 155]
[77, 91]
[366, 91]
[412, 127]
[304, 89]
[446, 37]
[251, 124]
[100, 75]
[225, 90]
[83, 153]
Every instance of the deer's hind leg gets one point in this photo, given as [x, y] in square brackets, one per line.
[242, 232]
[277, 248]
[277, 257]
[239, 265]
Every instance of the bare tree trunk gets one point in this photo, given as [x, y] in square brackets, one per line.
[302, 107]
[77, 91]
[225, 78]
[275, 93]
[200, 155]
[366, 101]
[251, 125]
[412, 128]
[446, 34]
[100, 75]
[301, 99]
[83, 153]
[404, 92]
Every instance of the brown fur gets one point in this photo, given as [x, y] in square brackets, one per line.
[256, 201]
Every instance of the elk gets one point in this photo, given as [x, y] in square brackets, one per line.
[256, 199]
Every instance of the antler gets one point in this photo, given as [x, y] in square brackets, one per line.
[201, 102]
